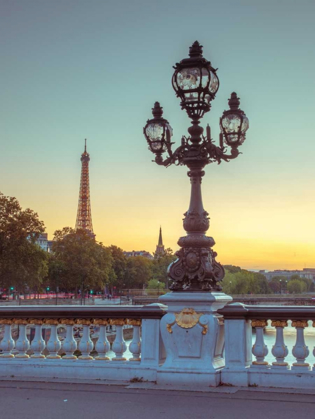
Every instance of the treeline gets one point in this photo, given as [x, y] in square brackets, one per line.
[77, 262]
[241, 281]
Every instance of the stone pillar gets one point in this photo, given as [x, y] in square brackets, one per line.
[238, 351]
[193, 336]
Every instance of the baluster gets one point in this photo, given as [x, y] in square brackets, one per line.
[53, 344]
[102, 345]
[85, 344]
[22, 344]
[135, 344]
[279, 349]
[69, 345]
[119, 345]
[260, 350]
[38, 343]
[7, 343]
[300, 350]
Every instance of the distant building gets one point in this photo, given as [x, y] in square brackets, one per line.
[44, 243]
[135, 253]
[160, 251]
[308, 273]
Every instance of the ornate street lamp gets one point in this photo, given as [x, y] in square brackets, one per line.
[196, 83]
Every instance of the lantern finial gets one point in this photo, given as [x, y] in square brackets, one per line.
[195, 50]
[234, 102]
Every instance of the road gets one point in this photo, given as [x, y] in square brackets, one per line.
[34, 400]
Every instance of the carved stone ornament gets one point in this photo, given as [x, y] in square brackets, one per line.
[118, 322]
[83, 322]
[23, 322]
[101, 322]
[134, 322]
[279, 323]
[259, 323]
[67, 322]
[53, 322]
[36, 321]
[187, 318]
[299, 323]
[6, 321]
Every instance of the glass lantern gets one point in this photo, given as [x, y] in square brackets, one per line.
[234, 123]
[158, 131]
[195, 82]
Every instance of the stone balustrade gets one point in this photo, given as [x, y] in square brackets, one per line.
[245, 360]
[174, 344]
[78, 355]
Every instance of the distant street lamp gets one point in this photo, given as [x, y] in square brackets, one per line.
[196, 83]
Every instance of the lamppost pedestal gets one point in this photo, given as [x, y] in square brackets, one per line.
[193, 335]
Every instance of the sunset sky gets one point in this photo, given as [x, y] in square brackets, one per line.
[93, 69]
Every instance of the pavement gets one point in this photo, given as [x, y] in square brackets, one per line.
[68, 400]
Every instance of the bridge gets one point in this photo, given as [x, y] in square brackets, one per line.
[252, 299]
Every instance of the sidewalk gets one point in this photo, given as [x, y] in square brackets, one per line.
[32, 400]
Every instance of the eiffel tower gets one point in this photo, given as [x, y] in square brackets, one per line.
[84, 217]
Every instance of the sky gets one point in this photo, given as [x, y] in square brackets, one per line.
[93, 69]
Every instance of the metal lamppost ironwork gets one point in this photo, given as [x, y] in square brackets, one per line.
[196, 83]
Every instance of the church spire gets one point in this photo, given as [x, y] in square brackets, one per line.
[160, 251]
[160, 244]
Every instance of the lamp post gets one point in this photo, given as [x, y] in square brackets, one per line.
[196, 83]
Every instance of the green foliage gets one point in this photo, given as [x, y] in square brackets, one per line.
[154, 284]
[160, 265]
[241, 281]
[139, 272]
[22, 262]
[79, 261]
[296, 286]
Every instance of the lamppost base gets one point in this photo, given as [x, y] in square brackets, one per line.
[193, 335]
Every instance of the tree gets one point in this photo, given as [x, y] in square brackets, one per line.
[161, 264]
[86, 264]
[154, 284]
[244, 282]
[22, 262]
[118, 276]
[139, 272]
[296, 286]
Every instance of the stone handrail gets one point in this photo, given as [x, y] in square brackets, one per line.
[75, 354]
[241, 369]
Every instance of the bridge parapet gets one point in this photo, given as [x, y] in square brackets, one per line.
[241, 369]
[77, 355]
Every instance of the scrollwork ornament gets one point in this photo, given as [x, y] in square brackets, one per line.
[6, 321]
[101, 322]
[23, 322]
[259, 323]
[83, 322]
[37, 322]
[118, 322]
[67, 322]
[52, 322]
[195, 269]
[187, 318]
[134, 322]
[299, 323]
[279, 323]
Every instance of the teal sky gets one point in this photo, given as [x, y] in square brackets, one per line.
[92, 69]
